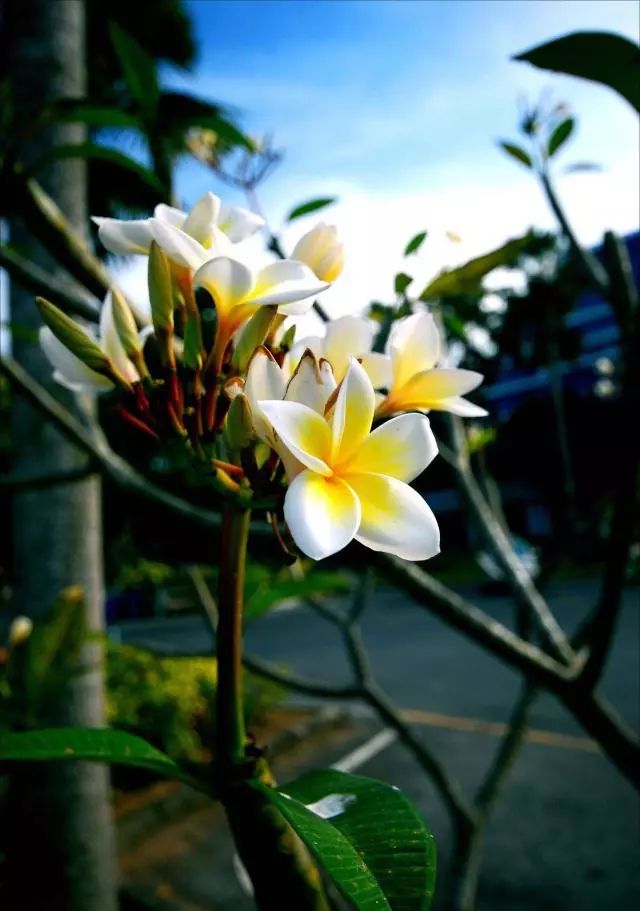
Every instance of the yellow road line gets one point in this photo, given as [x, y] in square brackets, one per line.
[498, 729]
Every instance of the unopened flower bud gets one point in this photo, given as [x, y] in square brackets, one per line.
[161, 300]
[128, 331]
[19, 631]
[252, 336]
[73, 337]
[79, 342]
[238, 425]
[193, 350]
[321, 250]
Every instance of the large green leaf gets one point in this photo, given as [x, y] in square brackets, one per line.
[70, 110]
[599, 56]
[92, 745]
[91, 151]
[467, 277]
[139, 71]
[312, 206]
[366, 835]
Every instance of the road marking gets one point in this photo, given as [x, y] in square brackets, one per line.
[366, 751]
[498, 729]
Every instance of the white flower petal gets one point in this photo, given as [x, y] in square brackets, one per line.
[170, 214]
[432, 387]
[462, 407]
[238, 223]
[228, 281]
[202, 218]
[312, 383]
[323, 514]
[303, 431]
[124, 237]
[69, 370]
[352, 414]
[402, 448]
[264, 382]
[378, 367]
[286, 282]
[179, 247]
[395, 518]
[346, 337]
[414, 346]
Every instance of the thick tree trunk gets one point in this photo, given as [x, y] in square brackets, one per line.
[61, 849]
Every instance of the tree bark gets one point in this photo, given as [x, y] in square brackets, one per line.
[61, 849]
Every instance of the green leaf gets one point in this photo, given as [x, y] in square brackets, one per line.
[139, 71]
[92, 745]
[467, 277]
[93, 152]
[415, 243]
[366, 835]
[312, 206]
[93, 115]
[599, 56]
[560, 135]
[401, 282]
[517, 153]
[270, 592]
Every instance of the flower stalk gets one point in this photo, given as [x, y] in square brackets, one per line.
[230, 731]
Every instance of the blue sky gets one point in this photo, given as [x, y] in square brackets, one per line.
[394, 106]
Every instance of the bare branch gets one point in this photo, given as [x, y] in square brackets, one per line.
[110, 464]
[590, 265]
[35, 279]
[38, 482]
[475, 623]
[498, 541]
[49, 225]
[302, 684]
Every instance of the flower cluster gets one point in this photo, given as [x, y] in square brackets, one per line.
[324, 431]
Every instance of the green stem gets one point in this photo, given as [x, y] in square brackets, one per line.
[230, 718]
[281, 870]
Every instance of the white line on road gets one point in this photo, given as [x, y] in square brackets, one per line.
[366, 751]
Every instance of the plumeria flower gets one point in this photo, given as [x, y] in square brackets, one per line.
[346, 337]
[312, 384]
[417, 383]
[69, 370]
[350, 483]
[208, 218]
[321, 250]
[238, 290]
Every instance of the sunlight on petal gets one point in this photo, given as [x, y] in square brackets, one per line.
[124, 237]
[323, 514]
[353, 413]
[395, 518]
[303, 431]
[401, 448]
[201, 219]
[414, 346]
[227, 281]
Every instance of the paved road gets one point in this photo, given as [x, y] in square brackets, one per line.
[565, 834]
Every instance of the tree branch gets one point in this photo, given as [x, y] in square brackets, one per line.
[495, 537]
[35, 279]
[473, 622]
